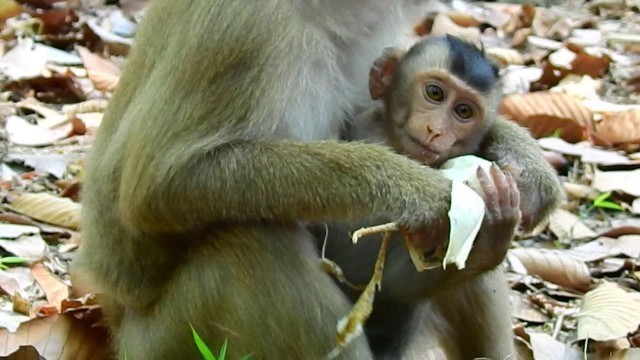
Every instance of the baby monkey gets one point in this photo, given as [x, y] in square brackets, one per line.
[436, 106]
[440, 100]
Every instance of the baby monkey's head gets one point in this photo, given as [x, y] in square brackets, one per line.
[440, 97]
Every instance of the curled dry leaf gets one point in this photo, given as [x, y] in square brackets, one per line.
[49, 208]
[546, 113]
[620, 128]
[555, 267]
[103, 73]
[607, 313]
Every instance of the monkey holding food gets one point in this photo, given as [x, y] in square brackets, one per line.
[440, 101]
[220, 143]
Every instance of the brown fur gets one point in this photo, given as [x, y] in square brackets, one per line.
[220, 140]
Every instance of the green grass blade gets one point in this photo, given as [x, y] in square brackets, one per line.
[202, 347]
[223, 351]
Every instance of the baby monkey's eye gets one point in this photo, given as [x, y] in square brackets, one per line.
[434, 93]
[464, 111]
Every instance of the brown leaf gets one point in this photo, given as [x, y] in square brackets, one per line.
[56, 21]
[545, 113]
[555, 267]
[607, 313]
[595, 65]
[58, 337]
[49, 208]
[102, 72]
[55, 290]
[621, 127]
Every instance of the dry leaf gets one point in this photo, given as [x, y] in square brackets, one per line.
[524, 310]
[547, 348]
[603, 247]
[544, 113]
[591, 62]
[580, 87]
[55, 290]
[620, 127]
[607, 313]
[586, 152]
[580, 191]
[566, 225]
[10, 320]
[21, 132]
[27, 247]
[49, 208]
[102, 72]
[59, 337]
[555, 267]
[25, 60]
[443, 25]
[625, 181]
[505, 57]
[13, 231]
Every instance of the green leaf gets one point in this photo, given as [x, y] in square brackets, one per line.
[202, 347]
[601, 202]
[557, 133]
[223, 351]
[610, 205]
[247, 357]
[12, 260]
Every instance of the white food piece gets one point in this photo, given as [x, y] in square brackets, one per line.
[467, 207]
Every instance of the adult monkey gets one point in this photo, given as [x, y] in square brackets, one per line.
[208, 159]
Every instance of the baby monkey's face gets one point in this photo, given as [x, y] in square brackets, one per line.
[443, 115]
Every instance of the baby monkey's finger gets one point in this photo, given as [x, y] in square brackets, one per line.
[490, 194]
[502, 186]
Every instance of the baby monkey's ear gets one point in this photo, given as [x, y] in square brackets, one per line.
[382, 70]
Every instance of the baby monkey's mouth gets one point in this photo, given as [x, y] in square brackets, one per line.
[428, 149]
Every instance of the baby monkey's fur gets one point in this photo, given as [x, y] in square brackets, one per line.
[440, 100]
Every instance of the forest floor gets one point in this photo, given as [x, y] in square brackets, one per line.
[571, 76]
